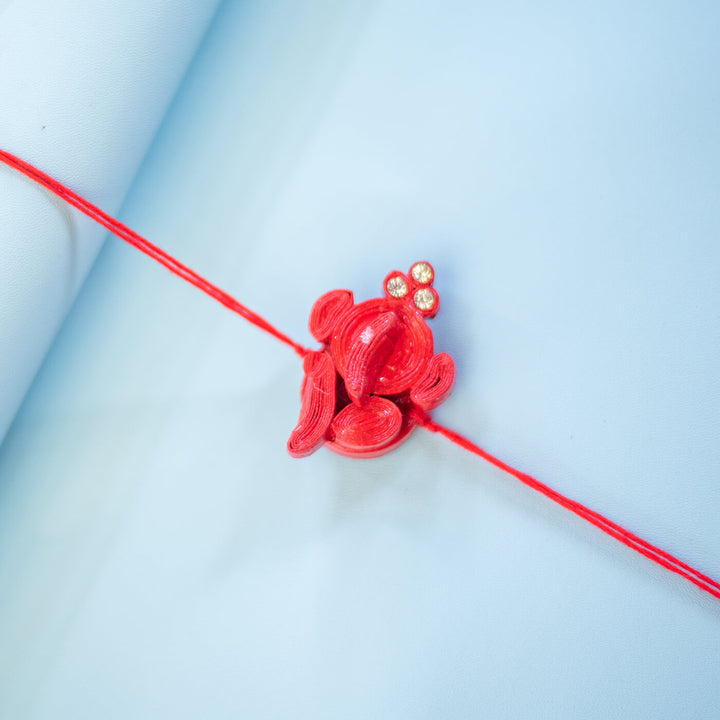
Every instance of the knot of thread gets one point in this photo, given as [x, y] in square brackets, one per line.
[422, 418]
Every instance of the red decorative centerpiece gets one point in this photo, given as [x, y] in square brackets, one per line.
[376, 371]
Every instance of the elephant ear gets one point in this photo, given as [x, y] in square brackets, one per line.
[317, 405]
[327, 311]
[436, 383]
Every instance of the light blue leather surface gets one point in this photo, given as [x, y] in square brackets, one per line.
[162, 556]
[84, 85]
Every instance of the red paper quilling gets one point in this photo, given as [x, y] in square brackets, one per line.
[376, 370]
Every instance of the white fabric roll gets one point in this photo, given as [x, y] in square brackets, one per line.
[84, 85]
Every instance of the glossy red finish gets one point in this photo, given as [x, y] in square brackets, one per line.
[376, 372]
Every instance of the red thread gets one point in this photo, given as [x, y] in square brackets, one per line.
[139, 242]
[668, 561]
[368, 424]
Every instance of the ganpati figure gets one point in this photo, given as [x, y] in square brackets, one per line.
[376, 373]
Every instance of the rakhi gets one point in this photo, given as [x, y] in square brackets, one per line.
[375, 377]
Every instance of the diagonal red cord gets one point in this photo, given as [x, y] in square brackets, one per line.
[139, 242]
[661, 557]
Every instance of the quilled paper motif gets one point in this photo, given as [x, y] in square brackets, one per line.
[376, 369]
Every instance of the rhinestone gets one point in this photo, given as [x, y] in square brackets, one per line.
[422, 273]
[397, 287]
[424, 299]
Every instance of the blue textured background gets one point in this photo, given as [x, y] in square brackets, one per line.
[161, 556]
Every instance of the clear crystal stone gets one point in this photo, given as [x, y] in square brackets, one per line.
[422, 272]
[397, 287]
[424, 299]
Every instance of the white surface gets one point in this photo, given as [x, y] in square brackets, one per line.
[83, 87]
[162, 556]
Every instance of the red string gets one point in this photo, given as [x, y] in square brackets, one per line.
[662, 558]
[665, 559]
[131, 237]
